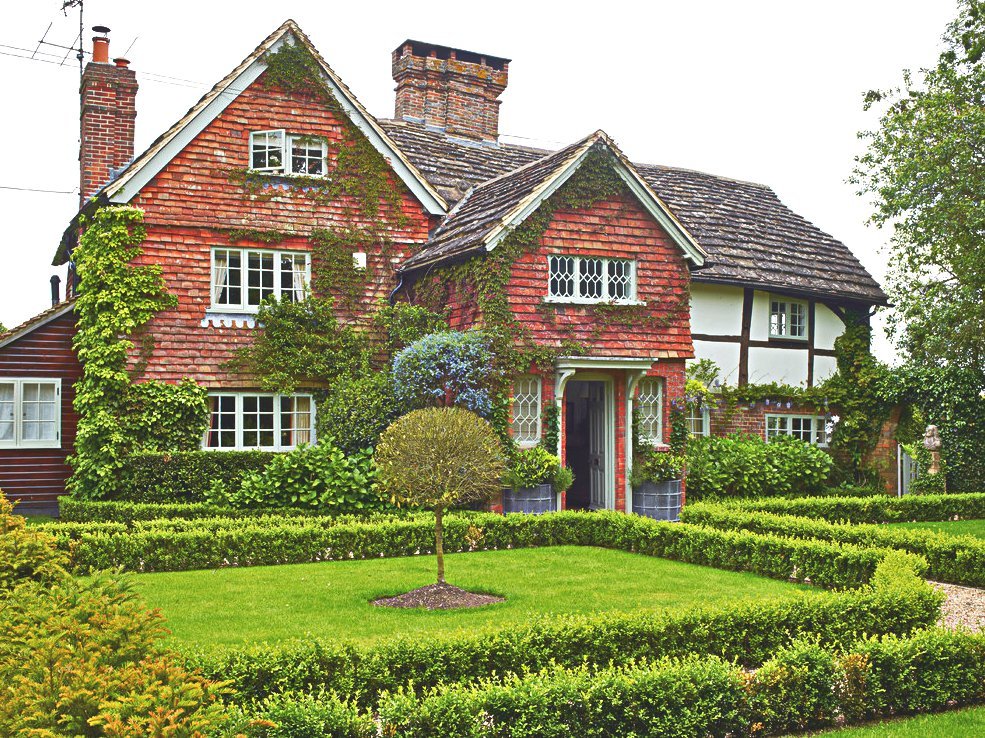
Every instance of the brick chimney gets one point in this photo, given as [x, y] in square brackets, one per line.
[450, 88]
[108, 97]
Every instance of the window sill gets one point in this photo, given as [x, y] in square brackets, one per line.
[589, 301]
[292, 178]
[229, 319]
[780, 339]
[30, 445]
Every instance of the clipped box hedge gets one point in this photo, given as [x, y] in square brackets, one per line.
[897, 602]
[185, 476]
[73, 510]
[875, 509]
[957, 559]
[276, 541]
[804, 686]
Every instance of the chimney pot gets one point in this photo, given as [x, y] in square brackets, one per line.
[121, 62]
[55, 291]
[100, 49]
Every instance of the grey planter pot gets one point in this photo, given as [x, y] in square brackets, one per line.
[532, 500]
[658, 500]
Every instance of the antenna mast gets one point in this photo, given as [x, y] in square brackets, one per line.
[66, 4]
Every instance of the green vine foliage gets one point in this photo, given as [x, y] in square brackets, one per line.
[116, 299]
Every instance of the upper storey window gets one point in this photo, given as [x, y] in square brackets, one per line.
[788, 318]
[278, 152]
[591, 279]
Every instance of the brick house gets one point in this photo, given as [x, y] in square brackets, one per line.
[710, 266]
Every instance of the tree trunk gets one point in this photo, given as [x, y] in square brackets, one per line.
[439, 548]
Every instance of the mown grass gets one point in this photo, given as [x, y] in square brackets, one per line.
[333, 599]
[958, 724]
[952, 527]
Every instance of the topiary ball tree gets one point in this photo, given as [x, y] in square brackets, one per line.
[439, 457]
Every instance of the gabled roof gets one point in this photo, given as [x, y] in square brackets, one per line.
[52, 313]
[493, 208]
[165, 148]
[751, 237]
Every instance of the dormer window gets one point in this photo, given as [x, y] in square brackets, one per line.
[277, 152]
[788, 318]
[584, 279]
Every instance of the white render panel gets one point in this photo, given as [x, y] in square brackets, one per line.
[759, 330]
[725, 355]
[827, 327]
[824, 367]
[788, 366]
[716, 309]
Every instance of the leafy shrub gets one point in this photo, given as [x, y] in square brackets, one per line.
[356, 409]
[750, 633]
[72, 510]
[184, 476]
[305, 716]
[447, 368]
[439, 457]
[747, 466]
[319, 477]
[876, 509]
[83, 657]
[958, 559]
[536, 465]
[657, 467]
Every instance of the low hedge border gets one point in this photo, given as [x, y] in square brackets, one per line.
[804, 686]
[897, 602]
[72, 510]
[296, 541]
[874, 509]
[956, 559]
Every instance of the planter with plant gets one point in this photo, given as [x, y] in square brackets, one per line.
[533, 481]
[656, 482]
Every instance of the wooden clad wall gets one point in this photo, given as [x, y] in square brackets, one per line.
[36, 476]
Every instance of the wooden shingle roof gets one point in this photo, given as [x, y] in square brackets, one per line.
[751, 237]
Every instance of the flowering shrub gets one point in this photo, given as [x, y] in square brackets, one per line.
[447, 368]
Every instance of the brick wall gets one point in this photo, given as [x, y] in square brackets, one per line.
[108, 98]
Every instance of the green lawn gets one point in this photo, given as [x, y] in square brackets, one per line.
[953, 527]
[958, 724]
[332, 599]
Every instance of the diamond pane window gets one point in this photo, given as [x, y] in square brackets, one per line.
[788, 318]
[562, 276]
[588, 279]
[526, 410]
[649, 406]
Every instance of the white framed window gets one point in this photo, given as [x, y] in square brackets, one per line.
[788, 318]
[590, 279]
[698, 419]
[649, 408]
[526, 412]
[269, 422]
[30, 413]
[278, 152]
[808, 428]
[243, 278]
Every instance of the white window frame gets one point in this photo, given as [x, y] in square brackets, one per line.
[244, 306]
[528, 441]
[18, 439]
[650, 434]
[819, 437]
[787, 310]
[575, 297]
[239, 430]
[693, 414]
[287, 142]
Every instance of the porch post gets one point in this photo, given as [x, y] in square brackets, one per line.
[633, 378]
[560, 380]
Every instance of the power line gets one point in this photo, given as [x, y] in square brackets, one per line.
[34, 189]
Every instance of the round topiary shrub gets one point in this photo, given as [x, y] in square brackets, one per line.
[439, 457]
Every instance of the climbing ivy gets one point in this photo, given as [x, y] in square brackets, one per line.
[115, 299]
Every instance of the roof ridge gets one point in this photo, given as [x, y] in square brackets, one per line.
[706, 174]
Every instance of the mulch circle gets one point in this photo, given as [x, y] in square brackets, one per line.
[439, 597]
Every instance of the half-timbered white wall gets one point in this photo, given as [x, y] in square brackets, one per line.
[716, 313]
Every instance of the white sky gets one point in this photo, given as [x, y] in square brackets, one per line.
[762, 90]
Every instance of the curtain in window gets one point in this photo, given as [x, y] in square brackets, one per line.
[7, 412]
[220, 275]
[299, 281]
